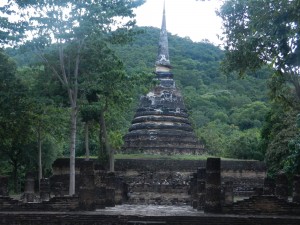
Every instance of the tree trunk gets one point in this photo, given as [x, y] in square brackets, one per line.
[104, 141]
[72, 150]
[87, 150]
[15, 176]
[111, 160]
[40, 155]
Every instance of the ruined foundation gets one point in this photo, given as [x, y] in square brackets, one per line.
[282, 188]
[213, 186]
[296, 189]
[45, 189]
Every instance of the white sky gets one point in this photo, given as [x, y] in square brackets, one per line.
[186, 18]
[195, 19]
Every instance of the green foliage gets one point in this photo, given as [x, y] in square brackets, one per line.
[278, 131]
[15, 120]
[221, 107]
[292, 164]
[260, 32]
[266, 32]
[250, 115]
[246, 145]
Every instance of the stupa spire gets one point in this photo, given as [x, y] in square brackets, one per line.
[161, 125]
[163, 61]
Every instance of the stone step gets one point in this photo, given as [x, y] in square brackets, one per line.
[146, 222]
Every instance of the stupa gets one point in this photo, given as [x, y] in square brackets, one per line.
[161, 124]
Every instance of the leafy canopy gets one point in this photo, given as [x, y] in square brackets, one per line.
[261, 31]
[49, 21]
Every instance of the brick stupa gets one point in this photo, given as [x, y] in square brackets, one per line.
[161, 124]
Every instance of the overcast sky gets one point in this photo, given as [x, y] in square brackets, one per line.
[186, 18]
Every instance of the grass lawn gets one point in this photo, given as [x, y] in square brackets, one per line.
[167, 157]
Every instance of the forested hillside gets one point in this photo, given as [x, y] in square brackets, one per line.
[227, 112]
[231, 115]
[69, 87]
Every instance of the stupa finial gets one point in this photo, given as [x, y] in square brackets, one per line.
[163, 49]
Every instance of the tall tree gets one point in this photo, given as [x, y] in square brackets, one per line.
[258, 32]
[15, 117]
[266, 32]
[69, 23]
[106, 85]
[49, 117]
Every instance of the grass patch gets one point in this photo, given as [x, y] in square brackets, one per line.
[166, 157]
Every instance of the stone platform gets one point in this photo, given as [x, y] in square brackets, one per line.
[140, 214]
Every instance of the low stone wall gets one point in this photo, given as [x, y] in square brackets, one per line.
[263, 205]
[162, 181]
[245, 175]
[55, 204]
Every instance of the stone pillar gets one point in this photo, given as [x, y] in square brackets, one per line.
[120, 191]
[213, 186]
[29, 195]
[296, 189]
[228, 192]
[281, 190]
[44, 189]
[3, 186]
[110, 190]
[58, 189]
[201, 194]
[87, 190]
[269, 186]
[193, 190]
[201, 176]
[110, 197]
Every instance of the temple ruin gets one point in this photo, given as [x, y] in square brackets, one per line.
[161, 124]
[156, 191]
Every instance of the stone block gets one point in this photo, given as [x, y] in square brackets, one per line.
[228, 192]
[201, 173]
[58, 189]
[200, 187]
[44, 189]
[296, 189]
[29, 183]
[110, 197]
[213, 164]
[87, 199]
[281, 190]
[213, 186]
[201, 201]
[3, 186]
[29, 195]
[87, 167]
[269, 186]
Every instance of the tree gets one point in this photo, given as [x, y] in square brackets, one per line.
[278, 131]
[260, 32]
[106, 87]
[49, 119]
[15, 118]
[292, 164]
[68, 24]
[245, 145]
